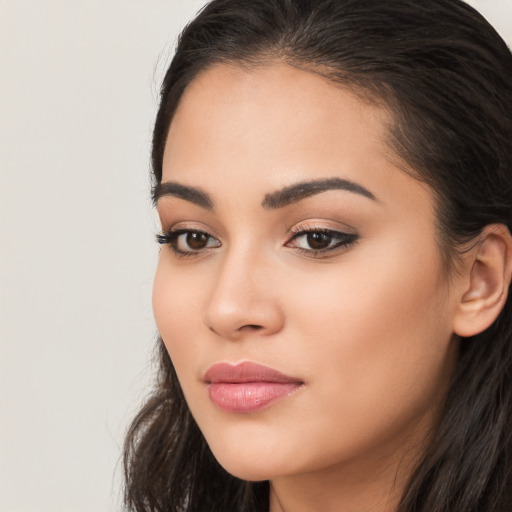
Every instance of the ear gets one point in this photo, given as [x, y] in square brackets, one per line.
[485, 281]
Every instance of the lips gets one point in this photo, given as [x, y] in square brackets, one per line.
[247, 387]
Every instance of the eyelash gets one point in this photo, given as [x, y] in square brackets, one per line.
[344, 240]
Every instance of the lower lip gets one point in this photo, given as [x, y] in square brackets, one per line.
[245, 397]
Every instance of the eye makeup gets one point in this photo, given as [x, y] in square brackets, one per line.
[320, 241]
[313, 241]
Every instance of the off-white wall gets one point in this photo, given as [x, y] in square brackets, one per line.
[77, 101]
[78, 91]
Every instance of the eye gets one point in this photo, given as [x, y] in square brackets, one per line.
[317, 241]
[187, 242]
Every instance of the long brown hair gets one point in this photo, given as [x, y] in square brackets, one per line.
[446, 76]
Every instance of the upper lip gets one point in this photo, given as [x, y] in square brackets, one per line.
[245, 372]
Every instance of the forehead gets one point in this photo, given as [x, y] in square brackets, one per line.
[269, 126]
[270, 110]
[292, 96]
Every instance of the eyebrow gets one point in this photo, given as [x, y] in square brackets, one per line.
[299, 191]
[194, 195]
[273, 200]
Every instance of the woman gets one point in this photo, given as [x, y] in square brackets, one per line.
[334, 183]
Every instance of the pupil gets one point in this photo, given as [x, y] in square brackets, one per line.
[319, 240]
[197, 240]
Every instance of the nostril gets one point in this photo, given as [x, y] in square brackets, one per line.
[252, 327]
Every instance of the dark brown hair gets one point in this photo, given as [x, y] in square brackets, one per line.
[446, 76]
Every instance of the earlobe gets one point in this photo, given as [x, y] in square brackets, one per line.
[487, 281]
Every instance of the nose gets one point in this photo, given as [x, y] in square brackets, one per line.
[243, 299]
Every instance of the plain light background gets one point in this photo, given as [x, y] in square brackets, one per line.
[78, 95]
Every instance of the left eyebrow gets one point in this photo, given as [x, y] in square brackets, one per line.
[299, 191]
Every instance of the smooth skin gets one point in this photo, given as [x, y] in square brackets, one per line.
[343, 290]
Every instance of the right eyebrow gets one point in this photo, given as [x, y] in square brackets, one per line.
[194, 195]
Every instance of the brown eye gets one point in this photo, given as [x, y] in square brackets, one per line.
[321, 242]
[185, 242]
[192, 241]
[196, 240]
[318, 240]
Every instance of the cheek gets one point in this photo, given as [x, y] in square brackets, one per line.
[176, 310]
[369, 334]
[376, 338]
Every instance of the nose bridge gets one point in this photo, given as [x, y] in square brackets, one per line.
[242, 297]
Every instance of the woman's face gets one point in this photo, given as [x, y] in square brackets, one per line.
[295, 243]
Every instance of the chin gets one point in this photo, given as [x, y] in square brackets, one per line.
[251, 463]
[249, 471]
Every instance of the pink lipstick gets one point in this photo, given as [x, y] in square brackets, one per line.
[247, 387]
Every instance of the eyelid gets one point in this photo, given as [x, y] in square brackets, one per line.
[168, 226]
[322, 225]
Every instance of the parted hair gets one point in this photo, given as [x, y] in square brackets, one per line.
[445, 76]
